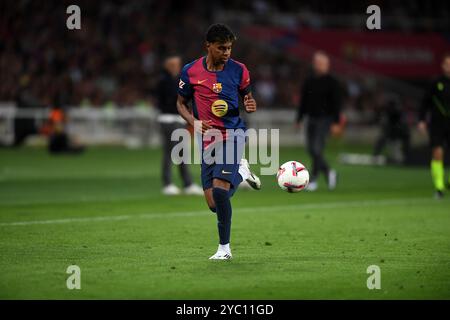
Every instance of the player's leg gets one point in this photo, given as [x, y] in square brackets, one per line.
[437, 139]
[168, 187]
[322, 135]
[166, 161]
[448, 146]
[448, 181]
[209, 199]
[225, 177]
[221, 196]
[311, 137]
[207, 184]
[245, 173]
[317, 133]
[381, 142]
[190, 187]
[437, 170]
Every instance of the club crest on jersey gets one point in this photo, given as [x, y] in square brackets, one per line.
[219, 108]
[217, 87]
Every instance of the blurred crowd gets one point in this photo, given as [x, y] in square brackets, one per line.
[115, 59]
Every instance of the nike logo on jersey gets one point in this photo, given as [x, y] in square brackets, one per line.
[226, 172]
[201, 81]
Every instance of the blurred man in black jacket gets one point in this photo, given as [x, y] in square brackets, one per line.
[169, 120]
[321, 103]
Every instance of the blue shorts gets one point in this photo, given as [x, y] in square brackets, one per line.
[221, 161]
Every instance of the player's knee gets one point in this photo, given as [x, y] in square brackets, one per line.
[437, 153]
[222, 199]
[220, 195]
[222, 184]
[209, 198]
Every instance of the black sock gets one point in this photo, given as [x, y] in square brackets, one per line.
[223, 207]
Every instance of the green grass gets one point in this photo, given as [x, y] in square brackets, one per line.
[103, 211]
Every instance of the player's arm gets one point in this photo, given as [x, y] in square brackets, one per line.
[184, 110]
[186, 93]
[249, 103]
[245, 91]
[185, 113]
[424, 108]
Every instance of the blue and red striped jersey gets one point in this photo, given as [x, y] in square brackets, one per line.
[215, 94]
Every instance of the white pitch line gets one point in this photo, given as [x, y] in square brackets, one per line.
[312, 206]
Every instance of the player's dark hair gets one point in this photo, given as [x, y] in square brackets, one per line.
[219, 33]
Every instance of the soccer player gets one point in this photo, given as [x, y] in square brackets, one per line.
[214, 83]
[321, 102]
[169, 120]
[436, 105]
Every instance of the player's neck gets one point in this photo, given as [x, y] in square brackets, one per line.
[211, 65]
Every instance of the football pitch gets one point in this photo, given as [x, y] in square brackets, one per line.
[103, 211]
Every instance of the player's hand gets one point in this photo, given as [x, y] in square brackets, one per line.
[206, 125]
[249, 104]
[422, 126]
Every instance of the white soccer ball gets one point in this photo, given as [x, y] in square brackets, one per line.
[293, 176]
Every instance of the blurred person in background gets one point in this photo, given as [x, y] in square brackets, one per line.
[434, 115]
[24, 99]
[170, 120]
[59, 140]
[394, 127]
[321, 103]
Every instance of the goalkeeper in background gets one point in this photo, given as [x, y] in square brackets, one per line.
[435, 115]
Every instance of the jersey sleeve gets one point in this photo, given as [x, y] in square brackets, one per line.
[244, 85]
[184, 85]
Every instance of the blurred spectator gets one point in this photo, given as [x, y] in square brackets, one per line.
[114, 58]
[394, 127]
[25, 98]
[170, 120]
[58, 139]
[321, 104]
